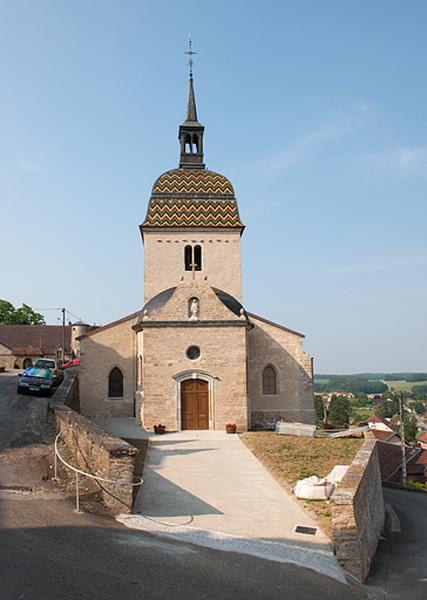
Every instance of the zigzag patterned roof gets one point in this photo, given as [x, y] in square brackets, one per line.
[192, 198]
[193, 181]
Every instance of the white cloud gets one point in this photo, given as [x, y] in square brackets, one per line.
[311, 140]
[403, 160]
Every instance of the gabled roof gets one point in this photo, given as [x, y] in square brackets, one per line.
[390, 456]
[47, 338]
[30, 351]
[108, 325]
[376, 418]
[254, 316]
[384, 436]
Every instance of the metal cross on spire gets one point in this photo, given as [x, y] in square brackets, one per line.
[190, 54]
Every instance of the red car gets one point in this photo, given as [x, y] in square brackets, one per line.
[72, 363]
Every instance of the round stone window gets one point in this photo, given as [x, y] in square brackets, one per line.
[193, 352]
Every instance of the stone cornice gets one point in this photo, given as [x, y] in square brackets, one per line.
[194, 324]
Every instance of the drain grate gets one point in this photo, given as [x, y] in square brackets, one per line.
[306, 530]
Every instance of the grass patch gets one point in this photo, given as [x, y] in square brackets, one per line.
[290, 458]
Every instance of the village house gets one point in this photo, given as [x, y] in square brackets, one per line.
[21, 345]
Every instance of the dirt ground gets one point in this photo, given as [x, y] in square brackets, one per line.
[290, 458]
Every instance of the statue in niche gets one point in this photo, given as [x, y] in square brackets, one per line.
[193, 309]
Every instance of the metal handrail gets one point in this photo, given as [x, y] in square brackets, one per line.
[79, 472]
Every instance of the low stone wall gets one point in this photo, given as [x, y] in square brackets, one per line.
[93, 450]
[358, 512]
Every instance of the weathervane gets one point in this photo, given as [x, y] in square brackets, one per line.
[190, 54]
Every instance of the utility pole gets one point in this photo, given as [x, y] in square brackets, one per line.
[63, 334]
[402, 439]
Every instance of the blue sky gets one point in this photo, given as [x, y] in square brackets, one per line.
[316, 111]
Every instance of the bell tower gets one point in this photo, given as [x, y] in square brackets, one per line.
[192, 229]
[190, 133]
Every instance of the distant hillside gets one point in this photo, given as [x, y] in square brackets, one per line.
[380, 376]
[367, 383]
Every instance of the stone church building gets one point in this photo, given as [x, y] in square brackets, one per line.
[194, 357]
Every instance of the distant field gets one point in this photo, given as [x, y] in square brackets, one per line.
[321, 380]
[403, 386]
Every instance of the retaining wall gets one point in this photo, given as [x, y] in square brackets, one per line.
[358, 511]
[95, 451]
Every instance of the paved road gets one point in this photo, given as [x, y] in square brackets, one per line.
[23, 418]
[401, 562]
[47, 552]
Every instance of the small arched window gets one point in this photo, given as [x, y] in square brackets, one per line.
[188, 257]
[197, 258]
[115, 383]
[195, 147]
[187, 144]
[269, 381]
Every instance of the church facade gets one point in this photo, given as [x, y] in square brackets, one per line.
[194, 357]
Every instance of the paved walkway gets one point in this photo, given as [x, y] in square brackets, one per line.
[207, 488]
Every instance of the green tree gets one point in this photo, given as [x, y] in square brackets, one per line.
[339, 411]
[419, 407]
[9, 315]
[389, 407]
[410, 428]
[320, 410]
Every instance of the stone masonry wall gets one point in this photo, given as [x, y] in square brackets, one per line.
[114, 346]
[223, 359]
[358, 512]
[164, 260]
[273, 345]
[95, 451]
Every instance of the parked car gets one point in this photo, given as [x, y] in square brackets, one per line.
[50, 363]
[37, 380]
[72, 363]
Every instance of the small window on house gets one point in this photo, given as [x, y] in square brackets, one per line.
[269, 381]
[115, 383]
[188, 257]
[197, 258]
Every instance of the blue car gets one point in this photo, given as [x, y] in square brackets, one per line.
[36, 379]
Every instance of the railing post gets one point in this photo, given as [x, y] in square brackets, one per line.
[77, 493]
[56, 466]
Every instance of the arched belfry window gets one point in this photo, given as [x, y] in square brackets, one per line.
[187, 144]
[188, 257]
[115, 383]
[193, 258]
[269, 381]
[198, 258]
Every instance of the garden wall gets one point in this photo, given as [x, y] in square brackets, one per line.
[358, 511]
[95, 451]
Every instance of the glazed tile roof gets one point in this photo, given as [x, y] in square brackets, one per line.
[193, 181]
[192, 198]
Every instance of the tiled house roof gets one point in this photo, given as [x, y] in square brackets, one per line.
[47, 338]
[376, 418]
[192, 198]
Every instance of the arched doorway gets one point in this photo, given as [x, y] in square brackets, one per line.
[194, 404]
[27, 363]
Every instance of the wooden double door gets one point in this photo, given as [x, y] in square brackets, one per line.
[194, 404]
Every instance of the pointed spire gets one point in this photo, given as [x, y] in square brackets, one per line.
[191, 108]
